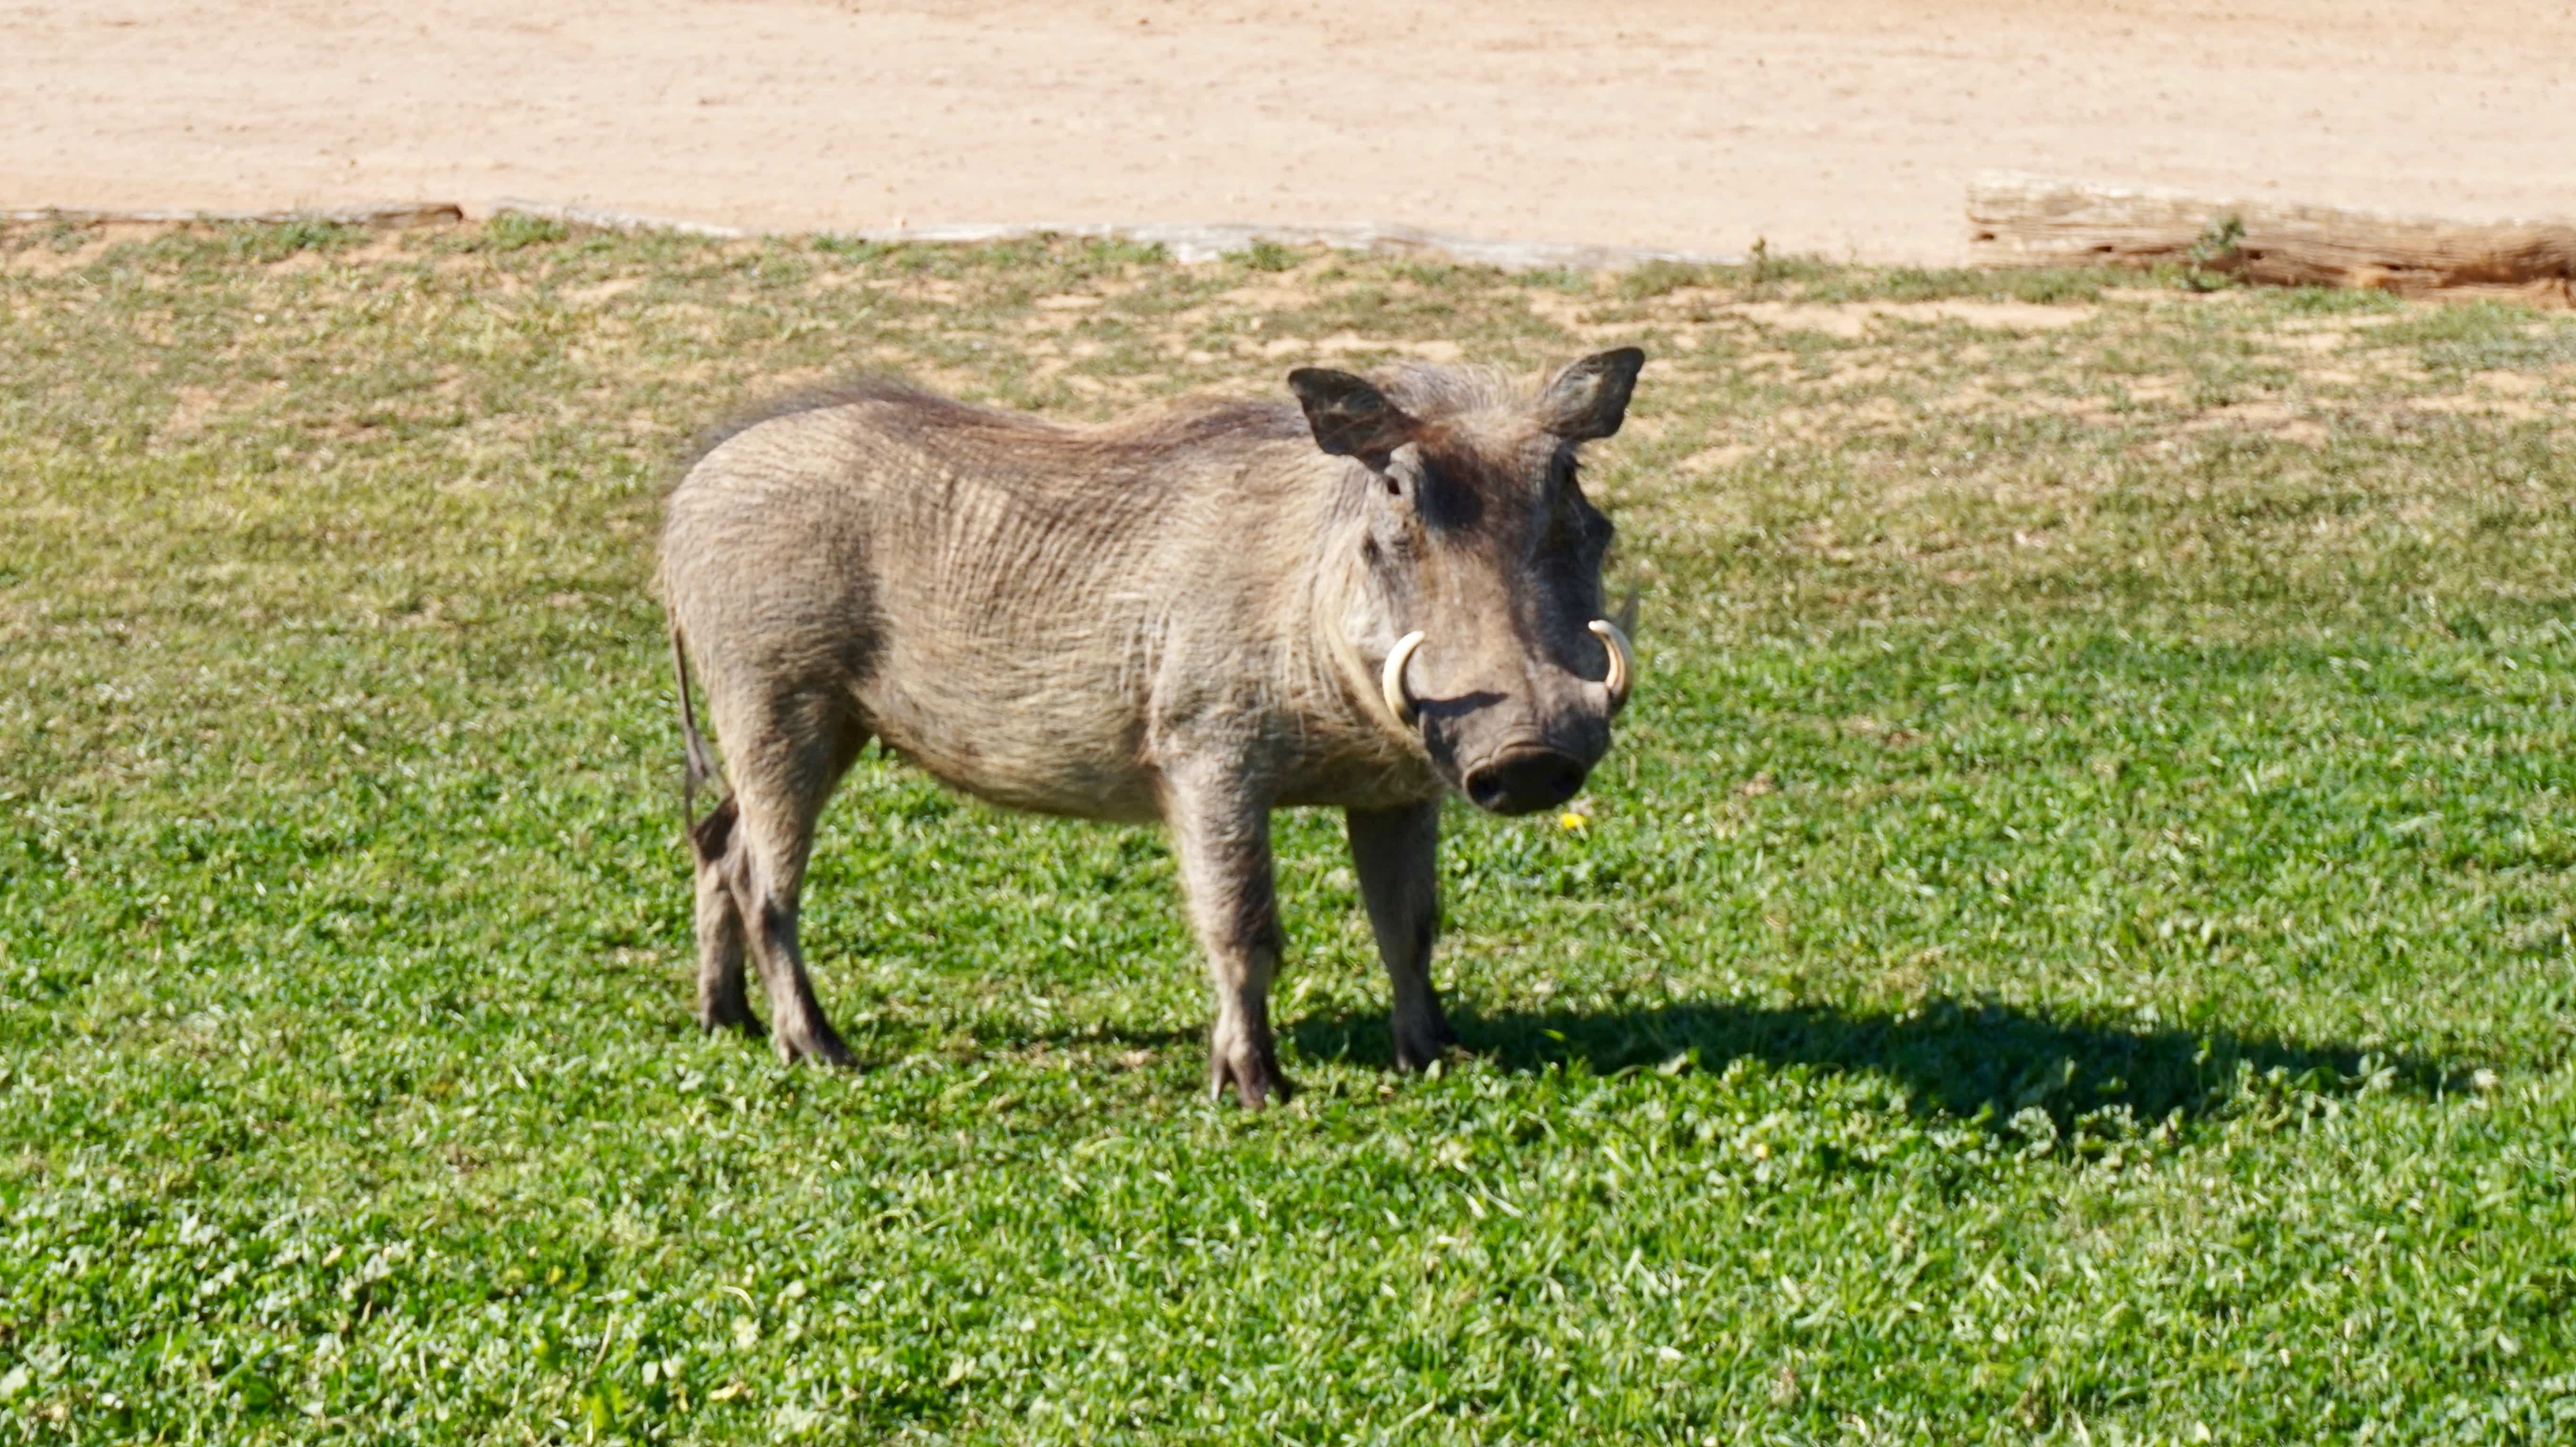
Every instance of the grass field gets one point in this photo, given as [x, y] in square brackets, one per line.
[2074, 944]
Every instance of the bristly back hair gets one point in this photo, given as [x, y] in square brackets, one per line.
[1426, 390]
[849, 392]
[1181, 422]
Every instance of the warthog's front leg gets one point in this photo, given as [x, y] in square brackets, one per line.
[1396, 854]
[1223, 840]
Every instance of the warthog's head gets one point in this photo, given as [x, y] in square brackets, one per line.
[1478, 594]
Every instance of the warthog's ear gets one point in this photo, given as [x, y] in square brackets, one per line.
[1350, 418]
[1590, 398]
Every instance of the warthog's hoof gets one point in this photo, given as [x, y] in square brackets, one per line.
[1253, 1071]
[818, 1043]
[1420, 1043]
[713, 1018]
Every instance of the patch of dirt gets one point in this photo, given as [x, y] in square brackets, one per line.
[1840, 127]
[190, 409]
[2512, 384]
[2512, 409]
[2273, 418]
[30, 247]
[1713, 459]
[599, 293]
[1280, 296]
[1345, 344]
[1852, 320]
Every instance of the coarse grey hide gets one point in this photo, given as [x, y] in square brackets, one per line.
[1359, 595]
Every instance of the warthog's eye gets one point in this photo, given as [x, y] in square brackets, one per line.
[1402, 476]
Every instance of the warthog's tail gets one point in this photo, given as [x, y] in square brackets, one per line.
[698, 765]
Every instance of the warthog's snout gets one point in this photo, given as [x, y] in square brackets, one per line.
[1514, 752]
[1525, 780]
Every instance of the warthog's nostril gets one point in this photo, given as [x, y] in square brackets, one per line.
[1525, 781]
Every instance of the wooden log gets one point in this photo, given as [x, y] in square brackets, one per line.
[2022, 220]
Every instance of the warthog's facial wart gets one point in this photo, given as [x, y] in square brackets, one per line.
[1480, 571]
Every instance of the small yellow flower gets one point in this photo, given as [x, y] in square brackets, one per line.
[1571, 820]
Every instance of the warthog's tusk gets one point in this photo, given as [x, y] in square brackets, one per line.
[1391, 681]
[1623, 667]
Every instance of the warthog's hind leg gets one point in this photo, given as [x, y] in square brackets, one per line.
[1223, 841]
[1395, 853]
[715, 841]
[784, 760]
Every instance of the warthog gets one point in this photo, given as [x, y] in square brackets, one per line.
[1198, 614]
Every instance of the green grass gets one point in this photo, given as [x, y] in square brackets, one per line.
[2074, 944]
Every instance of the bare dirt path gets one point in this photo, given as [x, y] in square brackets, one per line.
[1848, 127]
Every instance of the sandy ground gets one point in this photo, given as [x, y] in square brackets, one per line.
[1848, 127]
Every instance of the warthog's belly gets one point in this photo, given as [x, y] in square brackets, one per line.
[1092, 755]
[1012, 769]
[1021, 744]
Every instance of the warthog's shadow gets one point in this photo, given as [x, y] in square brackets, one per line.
[1966, 1059]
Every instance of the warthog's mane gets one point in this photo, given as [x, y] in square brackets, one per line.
[1429, 392]
[1425, 390]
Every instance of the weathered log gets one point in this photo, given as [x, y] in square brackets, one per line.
[2022, 220]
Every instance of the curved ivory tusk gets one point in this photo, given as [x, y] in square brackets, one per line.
[1623, 667]
[1390, 682]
